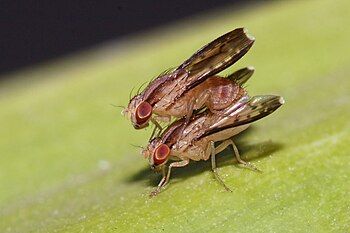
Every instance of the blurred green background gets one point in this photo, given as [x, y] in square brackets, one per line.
[67, 163]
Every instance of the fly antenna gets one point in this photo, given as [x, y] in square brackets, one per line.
[137, 146]
[118, 106]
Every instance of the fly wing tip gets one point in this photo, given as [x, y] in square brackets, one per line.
[251, 68]
[281, 100]
[250, 37]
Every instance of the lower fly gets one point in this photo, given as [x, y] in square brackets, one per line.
[195, 139]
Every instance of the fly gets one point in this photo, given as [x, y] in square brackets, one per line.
[177, 145]
[179, 92]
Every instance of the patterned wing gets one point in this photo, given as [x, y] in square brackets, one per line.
[256, 108]
[215, 57]
[209, 60]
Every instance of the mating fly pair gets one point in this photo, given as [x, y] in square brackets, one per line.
[209, 108]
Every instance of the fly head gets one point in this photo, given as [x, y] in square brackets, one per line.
[139, 112]
[157, 153]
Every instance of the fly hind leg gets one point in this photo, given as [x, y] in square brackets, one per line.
[196, 103]
[213, 167]
[228, 142]
[203, 99]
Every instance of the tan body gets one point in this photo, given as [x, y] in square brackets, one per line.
[188, 146]
[215, 93]
[201, 149]
[195, 140]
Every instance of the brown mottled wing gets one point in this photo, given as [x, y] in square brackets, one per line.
[215, 57]
[209, 60]
[256, 108]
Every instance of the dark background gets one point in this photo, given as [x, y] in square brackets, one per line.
[34, 31]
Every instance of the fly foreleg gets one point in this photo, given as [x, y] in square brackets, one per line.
[155, 120]
[228, 142]
[214, 169]
[157, 126]
[166, 177]
[161, 183]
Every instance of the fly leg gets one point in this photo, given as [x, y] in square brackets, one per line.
[204, 99]
[160, 185]
[189, 113]
[155, 120]
[157, 126]
[214, 169]
[228, 142]
[166, 177]
[200, 101]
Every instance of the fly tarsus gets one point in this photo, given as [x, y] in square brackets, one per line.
[161, 183]
[166, 177]
[214, 169]
[228, 142]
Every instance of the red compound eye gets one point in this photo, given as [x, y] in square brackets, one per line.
[143, 112]
[161, 154]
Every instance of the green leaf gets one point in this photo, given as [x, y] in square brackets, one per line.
[67, 164]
